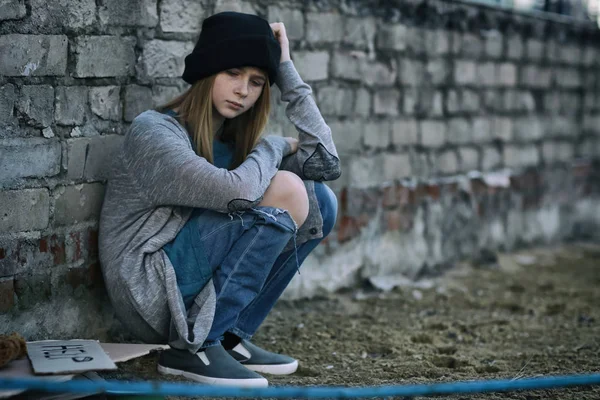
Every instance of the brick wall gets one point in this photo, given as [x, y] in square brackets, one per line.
[461, 129]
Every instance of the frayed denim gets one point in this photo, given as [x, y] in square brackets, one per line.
[242, 253]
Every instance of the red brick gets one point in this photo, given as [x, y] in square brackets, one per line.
[353, 202]
[392, 220]
[20, 258]
[478, 186]
[371, 199]
[433, 191]
[57, 248]
[347, 228]
[397, 220]
[417, 193]
[403, 194]
[43, 245]
[7, 295]
[365, 218]
[390, 196]
[76, 244]
[343, 204]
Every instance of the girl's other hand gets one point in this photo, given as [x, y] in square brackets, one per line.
[293, 143]
[281, 35]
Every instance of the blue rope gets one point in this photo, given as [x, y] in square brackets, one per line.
[187, 389]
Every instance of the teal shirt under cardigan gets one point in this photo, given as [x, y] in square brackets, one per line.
[155, 182]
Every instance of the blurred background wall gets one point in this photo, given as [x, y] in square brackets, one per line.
[463, 129]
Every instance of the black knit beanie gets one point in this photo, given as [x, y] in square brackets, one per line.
[231, 40]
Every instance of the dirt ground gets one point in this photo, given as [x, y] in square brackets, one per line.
[531, 314]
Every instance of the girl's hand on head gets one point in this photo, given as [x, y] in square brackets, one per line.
[293, 143]
[281, 36]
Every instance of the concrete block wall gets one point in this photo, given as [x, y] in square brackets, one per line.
[460, 128]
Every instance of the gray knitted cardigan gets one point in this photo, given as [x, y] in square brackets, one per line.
[155, 182]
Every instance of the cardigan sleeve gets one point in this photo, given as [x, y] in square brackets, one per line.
[317, 158]
[165, 167]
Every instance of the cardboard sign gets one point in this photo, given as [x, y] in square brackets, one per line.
[119, 352]
[67, 356]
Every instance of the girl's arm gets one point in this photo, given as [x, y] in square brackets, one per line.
[167, 171]
[317, 158]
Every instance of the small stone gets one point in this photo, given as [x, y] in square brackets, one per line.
[47, 132]
[76, 132]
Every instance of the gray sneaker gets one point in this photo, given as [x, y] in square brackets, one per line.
[213, 366]
[257, 359]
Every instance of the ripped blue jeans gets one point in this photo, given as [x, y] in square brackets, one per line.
[245, 260]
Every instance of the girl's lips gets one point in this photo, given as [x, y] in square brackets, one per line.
[234, 104]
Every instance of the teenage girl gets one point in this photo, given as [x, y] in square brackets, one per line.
[205, 222]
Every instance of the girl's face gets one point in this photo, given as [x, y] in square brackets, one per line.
[236, 90]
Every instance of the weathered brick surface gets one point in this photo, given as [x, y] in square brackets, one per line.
[31, 157]
[396, 166]
[521, 156]
[386, 102]
[33, 55]
[432, 133]
[357, 67]
[465, 72]
[234, 5]
[490, 158]
[162, 58]
[181, 16]
[24, 210]
[60, 14]
[362, 103]
[8, 97]
[89, 158]
[105, 102]
[91, 61]
[392, 37]
[36, 103]
[447, 162]
[334, 101]
[359, 32]
[377, 135]
[77, 203]
[13, 9]
[405, 132]
[347, 135]
[137, 100]
[324, 27]
[71, 104]
[140, 13]
[313, 65]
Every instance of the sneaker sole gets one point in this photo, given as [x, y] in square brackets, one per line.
[251, 382]
[274, 369]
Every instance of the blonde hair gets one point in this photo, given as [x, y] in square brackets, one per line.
[195, 113]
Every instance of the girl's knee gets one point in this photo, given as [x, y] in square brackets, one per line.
[287, 191]
[328, 205]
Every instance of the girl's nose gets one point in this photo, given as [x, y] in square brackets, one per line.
[242, 88]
